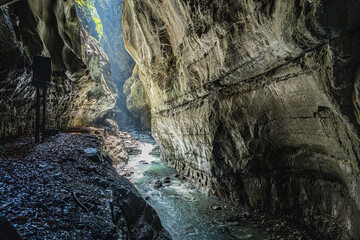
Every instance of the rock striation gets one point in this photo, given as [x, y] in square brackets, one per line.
[256, 101]
[82, 90]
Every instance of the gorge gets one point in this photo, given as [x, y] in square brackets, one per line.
[255, 102]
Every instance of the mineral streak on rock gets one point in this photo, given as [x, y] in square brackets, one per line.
[82, 88]
[256, 101]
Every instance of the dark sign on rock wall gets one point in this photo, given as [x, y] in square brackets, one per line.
[41, 71]
[41, 80]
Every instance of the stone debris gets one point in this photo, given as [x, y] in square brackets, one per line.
[93, 154]
[53, 191]
[116, 143]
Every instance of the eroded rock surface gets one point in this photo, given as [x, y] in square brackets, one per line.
[256, 101]
[82, 90]
[103, 19]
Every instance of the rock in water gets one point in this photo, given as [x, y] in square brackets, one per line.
[180, 177]
[166, 180]
[158, 184]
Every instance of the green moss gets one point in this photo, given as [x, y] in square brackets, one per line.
[89, 4]
[99, 26]
[80, 2]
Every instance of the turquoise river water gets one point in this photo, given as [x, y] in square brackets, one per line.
[184, 211]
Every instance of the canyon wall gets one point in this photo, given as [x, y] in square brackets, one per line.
[103, 19]
[256, 101]
[82, 88]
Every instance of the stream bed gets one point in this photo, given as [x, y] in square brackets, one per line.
[184, 211]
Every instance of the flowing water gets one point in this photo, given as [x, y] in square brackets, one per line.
[185, 212]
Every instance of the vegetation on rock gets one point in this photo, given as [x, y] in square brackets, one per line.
[93, 14]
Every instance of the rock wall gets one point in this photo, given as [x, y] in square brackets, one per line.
[256, 101]
[14, 79]
[82, 90]
[103, 19]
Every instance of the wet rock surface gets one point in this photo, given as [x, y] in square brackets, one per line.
[255, 101]
[117, 144]
[53, 191]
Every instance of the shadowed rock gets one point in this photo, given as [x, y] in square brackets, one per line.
[255, 101]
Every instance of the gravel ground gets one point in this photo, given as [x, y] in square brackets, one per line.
[53, 191]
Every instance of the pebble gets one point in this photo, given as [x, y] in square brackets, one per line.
[216, 208]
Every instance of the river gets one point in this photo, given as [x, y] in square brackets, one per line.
[184, 211]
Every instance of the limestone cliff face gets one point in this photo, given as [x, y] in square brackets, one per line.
[256, 101]
[137, 100]
[82, 90]
[103, 19]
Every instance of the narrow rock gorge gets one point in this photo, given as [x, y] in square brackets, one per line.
[66, 187]
[255, 101]
[103, 21]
